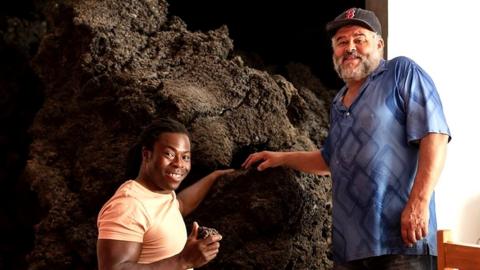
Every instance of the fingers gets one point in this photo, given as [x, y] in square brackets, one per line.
[411, 235]
[226, 171]
[194, 232]
[421, 232]
[408, 237]
[424, 231]
[198, 252]
[210, 246]
[218, 173]
[414, 223]
[211, 251]
[248, 162]
[412, 238]
[213, 239]
[418, 234]
[405, 237]
[254, 158]
[262, 166]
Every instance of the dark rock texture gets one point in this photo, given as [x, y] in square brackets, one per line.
[277, 219]
[20, 98]
[204, 232]
[110, 67]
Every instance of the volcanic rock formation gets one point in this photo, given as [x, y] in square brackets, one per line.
[110, 67]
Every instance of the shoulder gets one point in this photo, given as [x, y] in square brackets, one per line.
[406, 69]
[125, 200]
[401, 62]
[123, 217]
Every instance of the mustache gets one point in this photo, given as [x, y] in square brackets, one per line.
[351, 54]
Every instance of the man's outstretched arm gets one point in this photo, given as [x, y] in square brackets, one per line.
[305, 161]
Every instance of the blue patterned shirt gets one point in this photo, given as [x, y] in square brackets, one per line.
[372, 150]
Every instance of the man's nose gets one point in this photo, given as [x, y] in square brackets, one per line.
[178, 161]
[351, 47]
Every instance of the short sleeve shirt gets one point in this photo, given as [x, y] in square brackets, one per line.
[372, 152]
[137, 214]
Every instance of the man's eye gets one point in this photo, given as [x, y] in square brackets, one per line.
[186, 158]
[169, 155]
[359, 40]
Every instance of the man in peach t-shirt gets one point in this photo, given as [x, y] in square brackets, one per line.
[141, 226]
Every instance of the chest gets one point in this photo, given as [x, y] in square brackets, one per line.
[168, 228]
[165, 237]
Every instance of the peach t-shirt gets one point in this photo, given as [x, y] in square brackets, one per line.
[137, 214]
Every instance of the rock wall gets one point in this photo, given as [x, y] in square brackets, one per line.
[20, 98]
[110, 67]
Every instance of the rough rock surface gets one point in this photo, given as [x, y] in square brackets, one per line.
[20, 99]
[204, 232]
[110, 67]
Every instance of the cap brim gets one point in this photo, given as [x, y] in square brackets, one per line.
[332, 27]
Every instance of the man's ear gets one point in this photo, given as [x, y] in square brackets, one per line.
[381, 43]
[146, 154]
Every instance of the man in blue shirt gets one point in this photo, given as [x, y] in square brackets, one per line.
[385, 151]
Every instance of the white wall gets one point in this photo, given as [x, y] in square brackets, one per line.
[443, 37]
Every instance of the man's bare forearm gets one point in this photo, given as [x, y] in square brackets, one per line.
[433, 148]
[306, 161]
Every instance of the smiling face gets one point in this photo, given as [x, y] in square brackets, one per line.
[167, 164]
[357, 52]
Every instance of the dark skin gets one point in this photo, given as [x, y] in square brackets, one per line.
[115, 254]
[163, 169]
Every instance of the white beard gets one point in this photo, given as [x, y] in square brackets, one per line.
[368, 63]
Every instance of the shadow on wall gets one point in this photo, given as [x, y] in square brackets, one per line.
[469, 219]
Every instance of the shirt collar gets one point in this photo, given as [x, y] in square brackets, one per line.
[381, 68]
